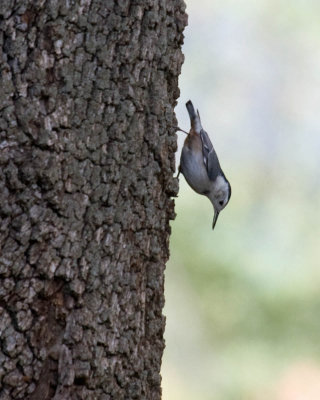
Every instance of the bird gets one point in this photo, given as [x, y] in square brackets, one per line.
[200, 166]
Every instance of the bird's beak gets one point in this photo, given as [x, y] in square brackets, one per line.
[215, 218]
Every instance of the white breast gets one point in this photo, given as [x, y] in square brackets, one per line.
[194, 170]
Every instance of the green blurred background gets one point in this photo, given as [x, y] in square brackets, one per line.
[243, 301]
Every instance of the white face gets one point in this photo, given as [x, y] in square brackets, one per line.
[220, 204]
[219, 197]
[220, 194]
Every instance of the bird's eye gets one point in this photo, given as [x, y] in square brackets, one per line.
[221, 203]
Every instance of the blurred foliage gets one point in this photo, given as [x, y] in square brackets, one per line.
[242, 301]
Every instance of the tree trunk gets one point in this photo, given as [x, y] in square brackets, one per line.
[87, 146]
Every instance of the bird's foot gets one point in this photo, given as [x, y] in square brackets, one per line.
[181, 130]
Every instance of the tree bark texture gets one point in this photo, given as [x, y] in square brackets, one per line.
[87, 146]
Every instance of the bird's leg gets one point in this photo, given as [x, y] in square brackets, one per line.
[181, 130]
[179, 170]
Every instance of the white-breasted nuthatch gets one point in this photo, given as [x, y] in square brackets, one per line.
[200, 165]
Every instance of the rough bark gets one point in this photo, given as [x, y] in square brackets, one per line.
[86, 177]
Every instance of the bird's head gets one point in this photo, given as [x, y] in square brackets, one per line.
[219, 196]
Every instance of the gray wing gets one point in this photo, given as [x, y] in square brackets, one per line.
[210, 158]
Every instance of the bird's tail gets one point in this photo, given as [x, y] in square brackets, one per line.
[194, 117]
